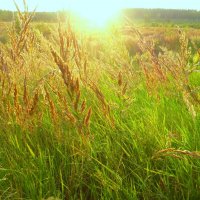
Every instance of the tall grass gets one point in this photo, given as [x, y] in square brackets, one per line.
[80, 118]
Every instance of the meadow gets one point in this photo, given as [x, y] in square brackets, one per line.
[99, 115]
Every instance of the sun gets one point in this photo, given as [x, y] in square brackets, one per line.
[97, 13]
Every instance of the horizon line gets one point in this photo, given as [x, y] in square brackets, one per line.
[160, 8]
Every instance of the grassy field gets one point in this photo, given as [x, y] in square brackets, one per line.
[109, 115]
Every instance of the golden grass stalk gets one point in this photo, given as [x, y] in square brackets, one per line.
[120, 79]
[87, 117]
[34, 103]
[52, 106]
[16, 102]
[83, 106]
[25, 95]
[176, 153]
[77, 101]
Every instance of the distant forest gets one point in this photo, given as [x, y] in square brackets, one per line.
[163, 15]
[7, 16]
[143, 15]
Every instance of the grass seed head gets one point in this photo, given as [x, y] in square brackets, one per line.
[120, 79]
[87, 117]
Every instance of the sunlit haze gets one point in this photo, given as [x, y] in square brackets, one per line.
[99, 12]
[54, 5]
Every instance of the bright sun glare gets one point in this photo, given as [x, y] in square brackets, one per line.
[97, 13]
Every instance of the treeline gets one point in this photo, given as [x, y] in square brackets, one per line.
[163, 15]
[8, 16]
[146, 15]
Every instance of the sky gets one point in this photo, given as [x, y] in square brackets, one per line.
[55, 5]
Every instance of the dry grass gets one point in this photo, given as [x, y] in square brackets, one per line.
[81, 118]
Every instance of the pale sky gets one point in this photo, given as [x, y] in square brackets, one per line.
[54, 5]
